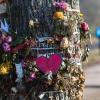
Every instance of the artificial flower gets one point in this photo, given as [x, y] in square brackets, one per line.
[8, 39]
[81, 14]
[62, 5]
[6, 47]
[85, 27]
[5, 68]
[58, 15]
[32, 76]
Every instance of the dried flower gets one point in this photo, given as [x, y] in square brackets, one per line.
[3, 37]
[64, 43]
[31, 23]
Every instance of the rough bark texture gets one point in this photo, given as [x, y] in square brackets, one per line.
[67, 85]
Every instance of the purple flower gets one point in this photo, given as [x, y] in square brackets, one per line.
[3, 36]
[56, 4]
[24, 65]
[33, 76]
[62, 5]
[8, 39]
[6, 47]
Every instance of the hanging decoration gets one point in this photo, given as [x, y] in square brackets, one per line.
[46, 65]
[19, 71]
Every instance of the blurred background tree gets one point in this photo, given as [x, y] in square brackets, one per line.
[91, 10]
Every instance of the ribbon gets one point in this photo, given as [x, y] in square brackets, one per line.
[19, 71]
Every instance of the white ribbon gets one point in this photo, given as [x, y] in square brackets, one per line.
[19, 71]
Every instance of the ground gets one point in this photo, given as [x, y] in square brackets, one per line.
[92, 89]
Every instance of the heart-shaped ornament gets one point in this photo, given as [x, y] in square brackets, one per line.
[49, 64]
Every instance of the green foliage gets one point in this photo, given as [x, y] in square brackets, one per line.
[18, 40]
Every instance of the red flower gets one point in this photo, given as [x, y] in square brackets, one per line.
[85, 27]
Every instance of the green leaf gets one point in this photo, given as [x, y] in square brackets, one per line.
[18, 40]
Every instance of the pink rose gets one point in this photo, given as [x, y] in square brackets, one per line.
[85, 27]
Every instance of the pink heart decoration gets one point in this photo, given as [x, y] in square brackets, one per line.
[49, 64]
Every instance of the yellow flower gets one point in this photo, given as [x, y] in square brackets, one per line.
[5, 68]
[58, 15]
[31, 23]
[81, 14]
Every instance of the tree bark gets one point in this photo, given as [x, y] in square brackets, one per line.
[21, 13]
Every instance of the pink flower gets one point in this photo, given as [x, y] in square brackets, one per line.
[85, 27]
[56, 4]
[33, 76]
[8, 39]
[62, 5]
[3, 37]
[6, 47]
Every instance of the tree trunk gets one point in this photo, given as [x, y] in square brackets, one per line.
[19, 19]
[3, 9]
[64, 86]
